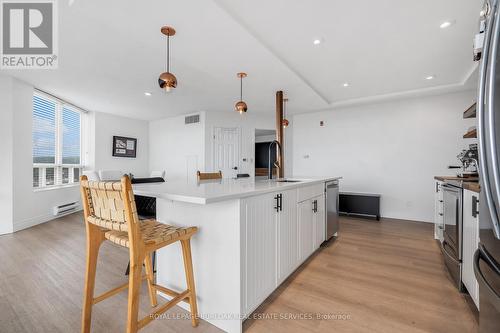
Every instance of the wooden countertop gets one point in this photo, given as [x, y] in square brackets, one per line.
[471, 183]
[465, 179]
[472, 186]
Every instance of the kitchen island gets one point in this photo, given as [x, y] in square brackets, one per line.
[252, 236]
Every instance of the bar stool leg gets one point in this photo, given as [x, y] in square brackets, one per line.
[188, 267]
[150, 275]
[94, 240]
[133, 295]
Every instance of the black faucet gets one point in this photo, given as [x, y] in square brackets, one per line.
[269, 168]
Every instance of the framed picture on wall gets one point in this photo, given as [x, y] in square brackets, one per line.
[124, 147]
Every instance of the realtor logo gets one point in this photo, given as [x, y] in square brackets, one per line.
[29, 34]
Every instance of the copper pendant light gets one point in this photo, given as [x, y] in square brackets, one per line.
[285, 122]
[167, 80]
[241, 106]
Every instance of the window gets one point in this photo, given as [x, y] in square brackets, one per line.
[57, 131]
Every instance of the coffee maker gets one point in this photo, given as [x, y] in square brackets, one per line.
[469, 160]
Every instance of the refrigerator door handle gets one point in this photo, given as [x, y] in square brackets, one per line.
[492, 294]
[491, 122]
[483, 154]
[452, 258]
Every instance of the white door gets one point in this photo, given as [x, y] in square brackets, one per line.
[470, 243]
[226, 151]
[259, 241]
[288, 247]
[319, 221]
[305, 215]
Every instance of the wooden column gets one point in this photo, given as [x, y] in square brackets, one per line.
[279, 134]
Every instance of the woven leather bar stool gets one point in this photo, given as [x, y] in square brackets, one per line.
[110, 214]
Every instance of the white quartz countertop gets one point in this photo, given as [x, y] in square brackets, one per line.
[210, 191]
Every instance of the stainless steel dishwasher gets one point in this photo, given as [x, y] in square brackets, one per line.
[332, 208]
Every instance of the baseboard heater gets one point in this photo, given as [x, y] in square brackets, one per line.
[66, 208]
[360, 204]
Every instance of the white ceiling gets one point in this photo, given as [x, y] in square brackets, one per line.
[111, 52]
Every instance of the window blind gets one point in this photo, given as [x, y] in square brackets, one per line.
[44, 130]
[56, 142]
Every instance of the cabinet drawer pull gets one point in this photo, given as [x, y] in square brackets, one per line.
[475, 212]
[277, 207]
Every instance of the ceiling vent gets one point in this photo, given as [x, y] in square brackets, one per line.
[192, 119]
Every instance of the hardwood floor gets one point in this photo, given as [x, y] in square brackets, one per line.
[383, 276]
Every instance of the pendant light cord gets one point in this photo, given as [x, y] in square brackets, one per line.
[241, 88]
[168, 53]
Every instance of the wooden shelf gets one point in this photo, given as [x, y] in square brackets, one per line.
[470, 112]
[471, 134]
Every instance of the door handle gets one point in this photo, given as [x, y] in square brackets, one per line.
[483, 130]
[475, 212]
[448, 254]
[492, 295]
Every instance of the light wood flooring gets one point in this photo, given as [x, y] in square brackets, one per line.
[383, 276]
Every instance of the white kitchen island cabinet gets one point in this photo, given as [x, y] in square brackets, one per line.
[252, 235]
[470, 243]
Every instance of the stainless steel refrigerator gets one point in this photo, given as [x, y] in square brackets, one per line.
[487, 257]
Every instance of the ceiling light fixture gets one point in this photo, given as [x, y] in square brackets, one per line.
[167, 80]
[285, 121]
[430, 77]
[345, 84]
[317, 41]
[147, 94]
[241, 106]
[446, 24]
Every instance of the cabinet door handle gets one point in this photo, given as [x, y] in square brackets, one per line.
[475, 212]
[315, 206]
[277, 207]
[281, 201]
[440, 200]
[440, 214]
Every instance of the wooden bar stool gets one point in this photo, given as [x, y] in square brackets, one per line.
[110, 214]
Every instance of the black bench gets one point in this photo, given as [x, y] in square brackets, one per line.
[360, 204]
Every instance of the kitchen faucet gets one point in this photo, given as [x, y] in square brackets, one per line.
[276, 164]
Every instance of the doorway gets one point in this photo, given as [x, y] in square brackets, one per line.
[227, 151]
[263, 138]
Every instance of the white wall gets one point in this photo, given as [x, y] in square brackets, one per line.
[23, 206]
[247, 123]
[182, 149]
[394, 149]
[6, 163]
[103, 127]
[177, 148]
[30, 207]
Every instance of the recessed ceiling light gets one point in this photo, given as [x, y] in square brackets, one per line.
[317, 41]
[430, 77]
[147, 94]
[446, 24]
[345, 84]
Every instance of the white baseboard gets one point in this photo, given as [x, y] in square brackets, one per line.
[31, 222]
